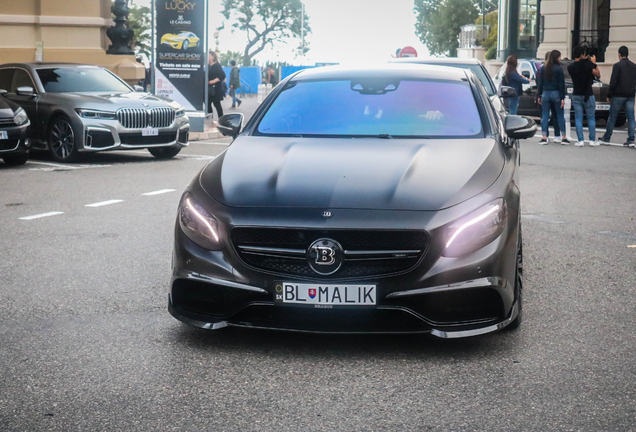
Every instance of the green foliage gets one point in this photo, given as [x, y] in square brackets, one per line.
[491, 53]
[226, 57]
[439, 21]
[265, 22]
[492, 21]
[139, 19]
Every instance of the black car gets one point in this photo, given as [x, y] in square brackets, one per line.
[528, 104]
[14, 123]
[355, 201]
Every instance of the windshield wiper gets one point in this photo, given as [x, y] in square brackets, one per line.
[385, 136]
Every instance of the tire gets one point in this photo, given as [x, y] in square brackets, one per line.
[516, 323]
[164, 152]
[62, 140]
[16, 159]
[620, 121]
[185, 45]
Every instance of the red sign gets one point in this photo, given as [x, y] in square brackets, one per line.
[408, 52]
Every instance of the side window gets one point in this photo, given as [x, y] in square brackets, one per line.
[21, 79]
[6, 76]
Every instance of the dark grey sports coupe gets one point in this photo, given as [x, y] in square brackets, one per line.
[358, 201]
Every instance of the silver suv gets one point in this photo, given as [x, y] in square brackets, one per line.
[82, 108]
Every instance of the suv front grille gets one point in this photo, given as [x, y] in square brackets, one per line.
[139, 118]
[367, 253]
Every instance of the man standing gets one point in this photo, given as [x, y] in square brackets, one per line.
[583, 71]
[235, 82]
[621, 94]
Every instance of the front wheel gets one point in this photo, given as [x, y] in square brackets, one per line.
[20, 159]
[62, 140]
[164, 152]
[185, 45]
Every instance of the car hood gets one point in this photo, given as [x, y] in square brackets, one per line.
[364, 173]
[6, 108]
[112, 101]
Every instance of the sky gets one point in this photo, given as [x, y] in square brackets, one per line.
[349, 32]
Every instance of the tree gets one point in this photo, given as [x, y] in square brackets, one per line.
[266, 21]
[439, 21]
[490, 43]
[139, 19]
[226, 57]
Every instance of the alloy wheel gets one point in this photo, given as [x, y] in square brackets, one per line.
[62, 140]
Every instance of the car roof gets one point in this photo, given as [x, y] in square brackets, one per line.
[388, 70]
[437, 61]
[44, 65]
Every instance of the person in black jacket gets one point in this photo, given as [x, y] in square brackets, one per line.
[551, 92]
[216, 76]
[621, 94]
[583, 70]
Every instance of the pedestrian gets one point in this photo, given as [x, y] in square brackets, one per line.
[271, 76]
[235, 83]
[551, 92]
[583, 70]
[512, 79]
[216, 76]
[553, 115]
[621, 95]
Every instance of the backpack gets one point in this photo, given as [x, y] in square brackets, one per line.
[223, 88]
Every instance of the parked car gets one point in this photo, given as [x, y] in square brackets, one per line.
[355, 201]
[465, 63]
[82, 108]
[182, 41]
[528, 104]
[14, 122]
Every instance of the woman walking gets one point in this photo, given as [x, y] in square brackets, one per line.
[551, 93]
[513, 79]
[216, 77]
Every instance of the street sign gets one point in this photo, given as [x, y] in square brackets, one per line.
[408, 51]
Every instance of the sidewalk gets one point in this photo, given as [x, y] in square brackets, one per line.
[247, 108]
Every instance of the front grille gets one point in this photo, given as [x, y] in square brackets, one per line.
[138, 118]
[10, 144]
[368, 253]
[6, 121]
[140, 140]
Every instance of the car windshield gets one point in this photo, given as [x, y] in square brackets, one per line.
[481, 74]
[373, 107]
[80, 79]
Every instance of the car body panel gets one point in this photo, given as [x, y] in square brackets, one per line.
[176, 41]
[13, 137]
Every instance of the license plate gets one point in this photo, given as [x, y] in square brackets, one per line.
[149, 132]
[4, 135]
[602, 107]
[325, 295]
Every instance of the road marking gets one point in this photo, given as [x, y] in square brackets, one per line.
[158, 192]
[65, 167]
[104, 203]
[42, 215]
[181, 156]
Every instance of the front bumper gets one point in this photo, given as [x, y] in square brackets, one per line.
[16, 142]
[101, 135]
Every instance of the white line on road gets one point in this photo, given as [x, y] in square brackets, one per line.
[103, 203]
[38, 216]
[68, 167]
[158, 192]
[180, 156]
[210, 143]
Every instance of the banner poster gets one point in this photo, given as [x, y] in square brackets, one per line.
[180, 52]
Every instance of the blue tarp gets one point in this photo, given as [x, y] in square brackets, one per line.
[286, 71]
[250, 78]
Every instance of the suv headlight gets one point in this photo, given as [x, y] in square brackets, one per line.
[96, 114]
[20, 117]
[180, 112]
[477, 229]
[197, 224]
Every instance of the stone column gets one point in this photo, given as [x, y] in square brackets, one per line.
[622, 30]
[558, 16]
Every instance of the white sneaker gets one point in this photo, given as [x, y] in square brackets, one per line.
[557, 139]
[594, 144]
[579, 144]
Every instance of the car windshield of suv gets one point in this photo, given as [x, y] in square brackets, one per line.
[373, 107]
[80, 79]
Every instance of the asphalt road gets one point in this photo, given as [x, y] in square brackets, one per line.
[87, 344]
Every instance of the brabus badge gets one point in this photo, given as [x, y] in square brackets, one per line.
[327, 214]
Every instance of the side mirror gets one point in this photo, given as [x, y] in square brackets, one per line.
[24, 91]
[507, 92]
[526, 74]
[230, 124]
[3, 92]
[138, 88]
[519, 127]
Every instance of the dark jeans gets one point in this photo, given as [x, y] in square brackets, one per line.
[589, 107]
[616, 104]
[235, 100]
[218, 107]
[513, 105]
[549, 99]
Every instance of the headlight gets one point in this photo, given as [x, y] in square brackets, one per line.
[20, 117]
[477, 229]
[197, 224]
[180, 112]
[95, 114]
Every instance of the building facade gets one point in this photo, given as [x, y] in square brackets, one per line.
[530, 28]
[62, 31]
